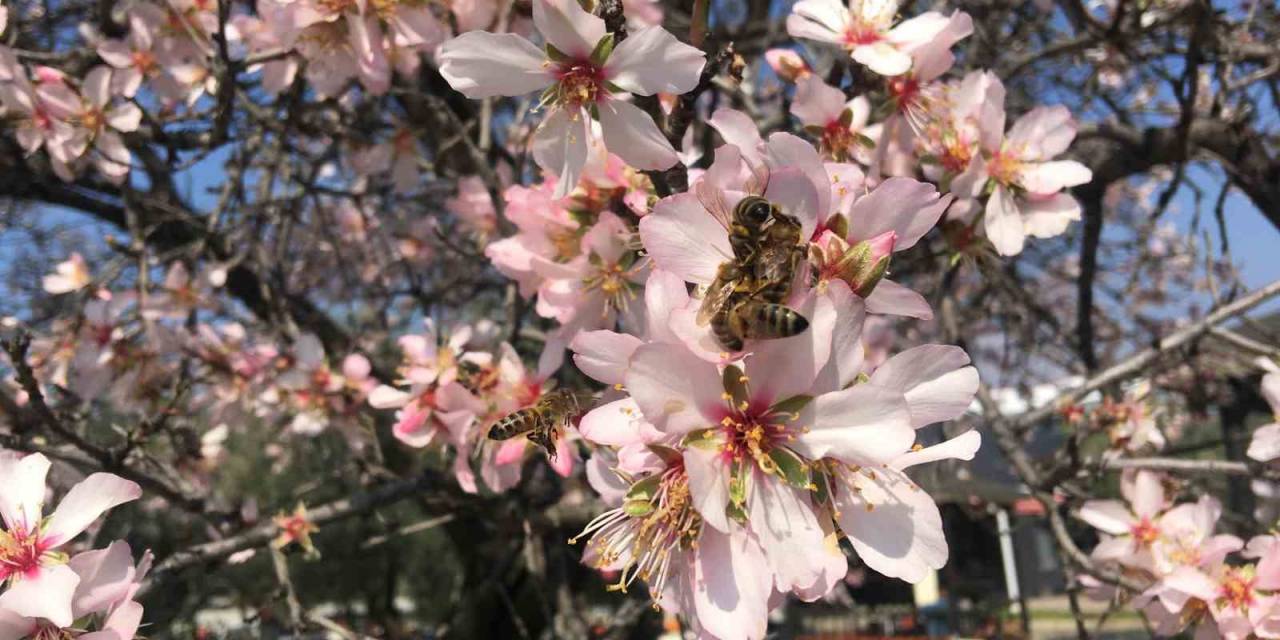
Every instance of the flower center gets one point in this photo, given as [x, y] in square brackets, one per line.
[581, 83]
[611, 280]
[1004, 166]
[1236, 589]
[647, 531]
[21, 553]
[1145, 532]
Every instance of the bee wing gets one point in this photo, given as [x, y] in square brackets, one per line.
[714, 298]
[712, 200]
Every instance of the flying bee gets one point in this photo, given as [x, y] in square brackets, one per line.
[543, 421]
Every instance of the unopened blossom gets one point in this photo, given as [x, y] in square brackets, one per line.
[584, 74]
[787, 64]
[866, 29]
[41, 585]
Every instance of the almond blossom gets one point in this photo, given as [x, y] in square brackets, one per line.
[866, 30]
[1018, 171]
[586, 75]
[41, 584]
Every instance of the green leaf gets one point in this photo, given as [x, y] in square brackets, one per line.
[792, 467]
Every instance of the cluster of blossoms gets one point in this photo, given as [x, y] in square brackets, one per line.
[1189, 580]
[953, 131]
[47, 592]
[129, 347]
[77, 121]
[733, 475]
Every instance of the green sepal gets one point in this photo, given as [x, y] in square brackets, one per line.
[839, 225]
[736, 513]
[644, 490]
[793, 405]
[735, 386]
[738, 483]
[791, 467]
[669, 455]
[706, 439]
[555, 55]
[821, 487]
[637, 508]
[846, 118]
[603, 48]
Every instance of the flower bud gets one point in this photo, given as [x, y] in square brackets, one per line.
[787, 64]
[865, 263]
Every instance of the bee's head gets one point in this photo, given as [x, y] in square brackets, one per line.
[755, 211]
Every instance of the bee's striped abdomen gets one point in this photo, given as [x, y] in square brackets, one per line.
[514, 424]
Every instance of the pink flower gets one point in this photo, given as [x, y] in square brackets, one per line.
[580, 70]
[865, 29]
[825, 113]
[133, 57]
[1025, 183]
[1133, 529]
[42, 585]
[787, 64]
[103, 123]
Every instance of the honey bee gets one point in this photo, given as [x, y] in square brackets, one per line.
[745, 301]
[543, 421]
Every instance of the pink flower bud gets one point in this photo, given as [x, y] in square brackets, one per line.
[787, 64]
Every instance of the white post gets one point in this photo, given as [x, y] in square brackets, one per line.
[1007, 558]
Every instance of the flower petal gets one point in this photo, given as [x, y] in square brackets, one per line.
[632, 135]
[909, 207]
[560, 147]
[46, 595]
[22, 500]
[893, 524]
[567, 26]
[677, 391]
[935, 380]
[1054, 176]
[652, 60]
[86, 501]
[1110, 516]
[683, 238]
[892, 299]
[961, 447]
[1003, 223]
[865, 424]
[481, 65]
